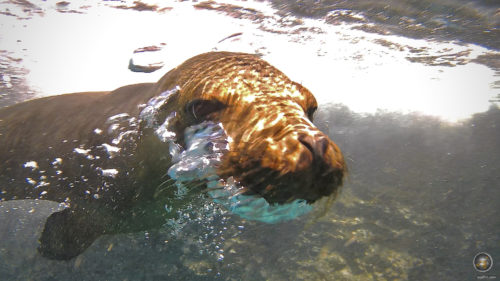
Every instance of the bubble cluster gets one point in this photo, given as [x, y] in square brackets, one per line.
[205, 145]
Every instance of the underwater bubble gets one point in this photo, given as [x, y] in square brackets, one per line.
[111, 150]
[117, 118]
[122, 136]
[206, 143]
[175, 151]
[81, 151]
[168, 208]
[221, 257]
[150, 111]
[31, 164]
[113, 128]
[132, 121]
[109, 172]
[148, 115]
[198, 161]
[56, 162]
[30, 181]
[64, 204]
[254, 207]
[41, 184]
[162, 132]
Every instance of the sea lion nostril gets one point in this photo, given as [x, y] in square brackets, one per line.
[316, 145]
[308, 142]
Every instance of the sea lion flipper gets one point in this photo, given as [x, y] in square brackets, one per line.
[67, 234]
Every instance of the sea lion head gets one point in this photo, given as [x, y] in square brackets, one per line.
[274, 149]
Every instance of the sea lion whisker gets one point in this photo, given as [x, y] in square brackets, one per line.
[239, 192]
[251, 172]
[196, 185]
[163, 183]
[165, 175]
[208, 189]
[330, 170]
[218, 197]
[161, 189]
[262, 178]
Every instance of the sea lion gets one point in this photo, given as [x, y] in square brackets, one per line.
[105, 155]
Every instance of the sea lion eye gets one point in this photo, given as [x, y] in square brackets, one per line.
[200, 108]
[310, 112]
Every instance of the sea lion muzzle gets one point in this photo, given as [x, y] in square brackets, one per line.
[275, 150]
[286, 161]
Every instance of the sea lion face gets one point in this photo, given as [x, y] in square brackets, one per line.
[274, 149]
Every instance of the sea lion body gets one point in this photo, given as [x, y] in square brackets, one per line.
[53, 149]
[105, 155]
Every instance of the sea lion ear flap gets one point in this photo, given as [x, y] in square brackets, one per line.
[67, 234]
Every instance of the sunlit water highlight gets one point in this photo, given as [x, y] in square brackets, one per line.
[364, 71]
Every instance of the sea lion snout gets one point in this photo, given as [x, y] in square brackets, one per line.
[306, 165]
[316, 149]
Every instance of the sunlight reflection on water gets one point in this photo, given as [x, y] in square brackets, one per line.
[68, 52]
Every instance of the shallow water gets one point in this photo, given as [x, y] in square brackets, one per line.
[399, 99]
